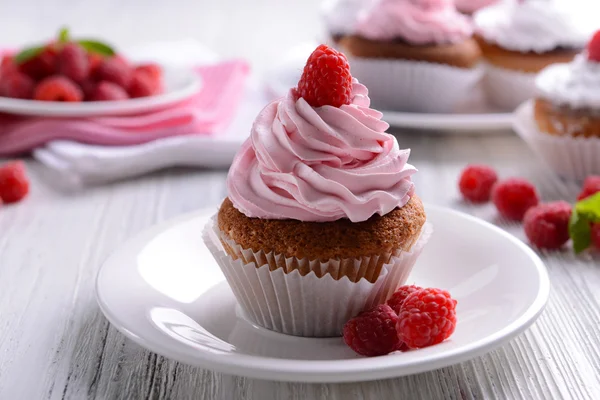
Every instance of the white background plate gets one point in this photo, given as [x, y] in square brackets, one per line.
[179, 84]
[475, 116]
[164, 291]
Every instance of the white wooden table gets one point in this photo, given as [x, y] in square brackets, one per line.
[54, 341]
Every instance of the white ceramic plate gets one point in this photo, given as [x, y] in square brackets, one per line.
[180, 84]
[475, 116]
[163, 290]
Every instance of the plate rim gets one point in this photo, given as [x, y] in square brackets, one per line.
[36, 108]
[314, 371]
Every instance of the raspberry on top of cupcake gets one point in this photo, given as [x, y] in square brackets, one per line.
[568, 95]
[421, 30]
[319, 165]
[528, 35]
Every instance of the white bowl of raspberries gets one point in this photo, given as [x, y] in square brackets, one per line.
[82, 77]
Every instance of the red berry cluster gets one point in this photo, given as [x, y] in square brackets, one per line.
[546, 225]
[14, 184]
[412, 318]
[66, 71]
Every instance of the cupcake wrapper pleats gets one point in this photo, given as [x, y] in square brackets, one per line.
[307, 298]
[415, 86]
[507, 88]
[569, 157]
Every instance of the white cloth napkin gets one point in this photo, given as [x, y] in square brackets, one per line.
[79, 164]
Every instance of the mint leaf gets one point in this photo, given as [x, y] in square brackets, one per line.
[580, 232]
[63, 35]
[590, 208]
[27, 54]
[94, 46]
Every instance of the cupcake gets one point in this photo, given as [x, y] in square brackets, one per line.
[321, 219]
[470, 6]
[520, 38]
[341, 16]
[562, 122]
[414, 55]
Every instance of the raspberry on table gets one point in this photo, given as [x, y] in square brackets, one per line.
[114, 70]
[142, 85]
[373, 332]
[14, 184]
[591, 185]
[43, 65]
[596, 235]
[513, 197]
[16, 85]
[58, 88]
[476, 183]
[108, 91]
[326, 79]
[397, 299]
[73, 62]
[427, 317]
[547, 225]
[593, 48]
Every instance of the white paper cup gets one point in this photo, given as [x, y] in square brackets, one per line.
[414, 86]
[310, 305]
[507, 88]
[569, 157]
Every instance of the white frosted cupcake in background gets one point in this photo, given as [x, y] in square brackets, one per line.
[519, 38]
[562, 122]
[414, 55]
[470, 6]
[341, 16]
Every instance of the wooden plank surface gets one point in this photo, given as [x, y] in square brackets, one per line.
[54, 341]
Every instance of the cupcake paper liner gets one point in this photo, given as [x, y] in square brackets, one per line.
[569, 157]
[507, 88]
[310, 299]
[415, 86]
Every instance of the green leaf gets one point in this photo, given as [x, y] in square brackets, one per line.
[27, 54]
[580, 231]
[590, 208]
[63, 35]
[94, 46]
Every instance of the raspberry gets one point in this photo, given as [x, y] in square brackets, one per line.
[513, 197]
[58, 88]
[88, 88]
[14, 184]
[591, 186]
[16, 85]
[326, 78]
[373, 332]
[596, 235]
[154, 70]
[94, 60]
[427, 317]
[73, 62]
[142, 85]
[113, 70]
[476, 182]
[397, 299]
[7, 65]
[593, 48]
[106, 91]
[547, 225]
[43, 65]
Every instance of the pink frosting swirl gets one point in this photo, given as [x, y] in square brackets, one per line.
[470, 6]
[320, 164]
[417, 22]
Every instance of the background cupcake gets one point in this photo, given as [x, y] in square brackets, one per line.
[470, 6]
[341, 16]
[414, 55]
[321, 221]
[562, 123]
[521, 37]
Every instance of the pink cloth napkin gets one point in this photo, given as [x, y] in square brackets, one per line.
[207, 113]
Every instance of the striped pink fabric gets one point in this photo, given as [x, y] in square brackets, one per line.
[206, 113]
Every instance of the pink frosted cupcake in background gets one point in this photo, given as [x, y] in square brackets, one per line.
[519, 38]
[470, 6]
[414, 55]
[341, 16]
[321, 219]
